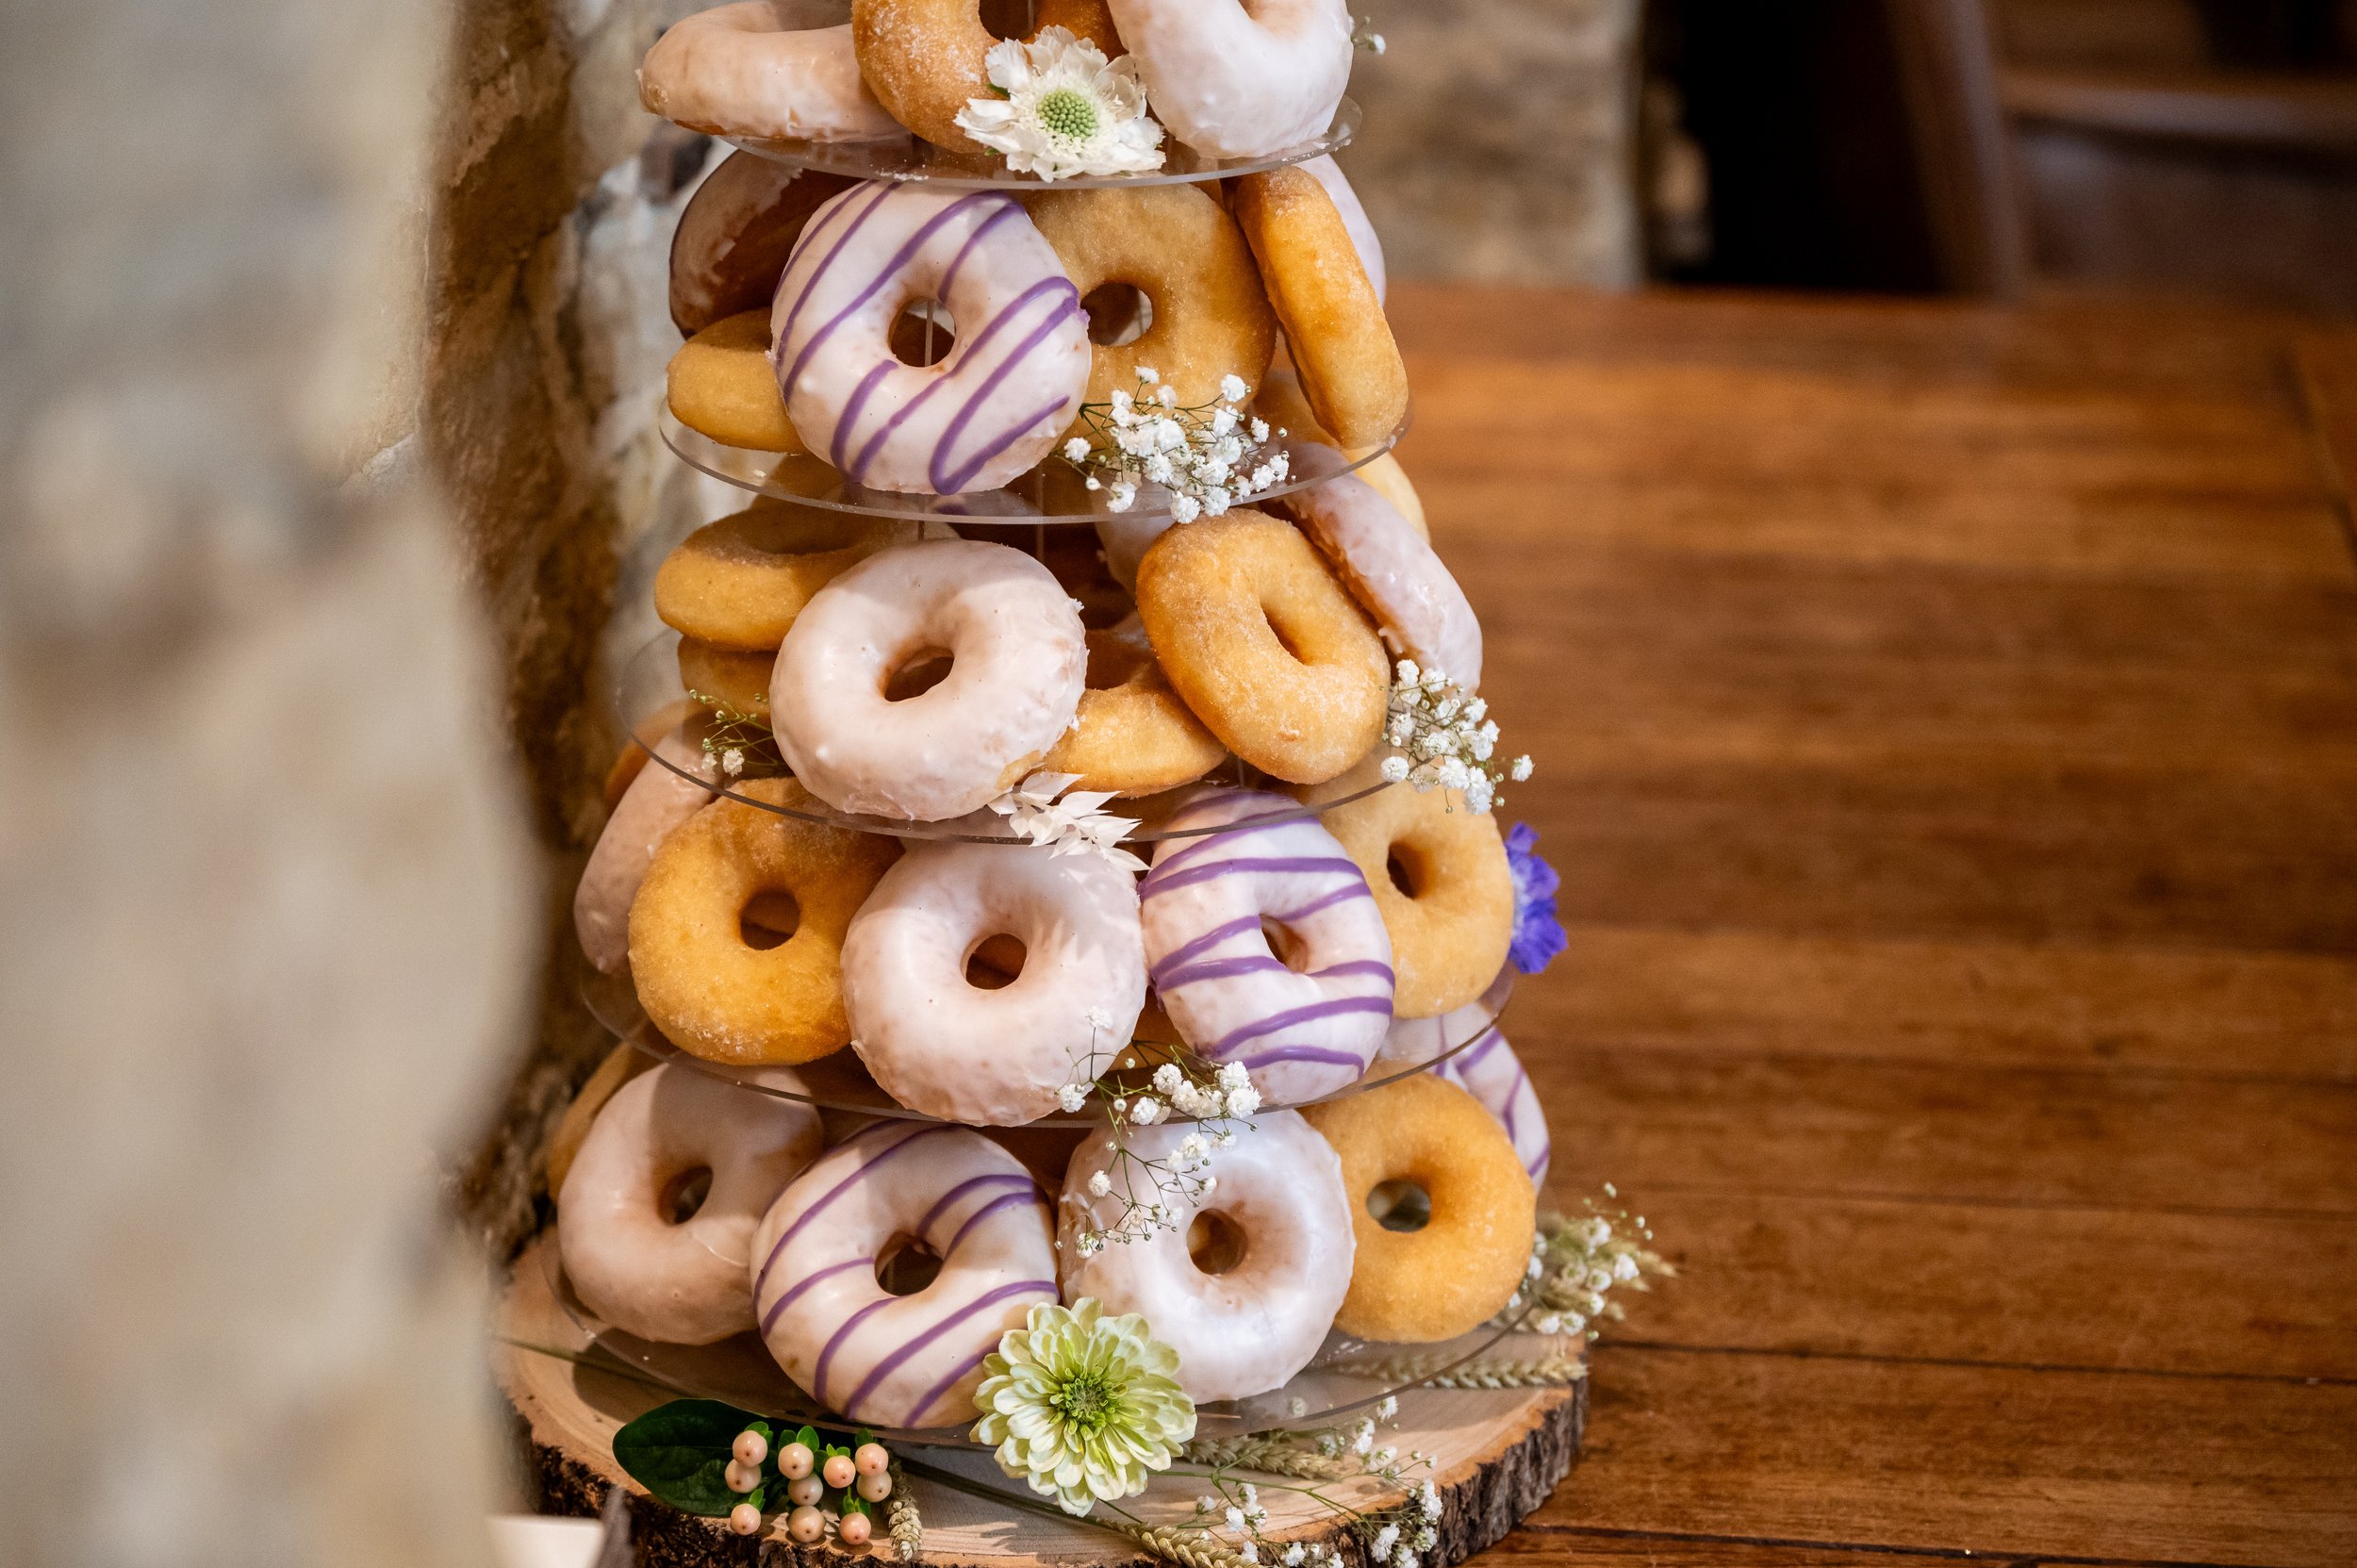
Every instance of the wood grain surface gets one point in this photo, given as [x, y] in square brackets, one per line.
[1947, 730]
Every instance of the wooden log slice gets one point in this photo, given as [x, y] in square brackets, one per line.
[1497, 1454]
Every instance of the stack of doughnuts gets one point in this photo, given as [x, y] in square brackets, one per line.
[807, 878]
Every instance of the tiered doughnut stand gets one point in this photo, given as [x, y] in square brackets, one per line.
[576, 1380]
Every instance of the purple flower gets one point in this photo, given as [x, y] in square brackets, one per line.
[1537, 935]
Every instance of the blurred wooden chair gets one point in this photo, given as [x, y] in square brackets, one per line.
[2164, 145]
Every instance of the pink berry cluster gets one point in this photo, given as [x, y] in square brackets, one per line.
[860, 1477]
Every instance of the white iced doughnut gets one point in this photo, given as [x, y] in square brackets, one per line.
[762, 67]
[657, 801]
[1018, 664]
[1387, 566]
[689, 1282]
[1302, 1028]
[1354, 215]
[1279, 1219]
[1240, 78]
[1484, 1065]
[993, 1058]
[1014, 374]
[904, 1361]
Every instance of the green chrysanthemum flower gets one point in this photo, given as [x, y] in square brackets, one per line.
[1082, 1405]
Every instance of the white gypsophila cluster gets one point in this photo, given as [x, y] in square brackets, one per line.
[1059, 108]
[1576, 1263]
[1445, 739]
[1162, 1193]
[1198, 455]
[1073, 825]
[1363, 36]
[1396, 1536]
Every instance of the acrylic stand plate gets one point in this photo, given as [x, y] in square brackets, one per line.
[1497, 1454]
[1052, 493]
[907, 157]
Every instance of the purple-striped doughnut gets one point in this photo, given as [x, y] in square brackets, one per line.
[993, 1058]
[1247, 1329]
[1303, 1026]
[1012, 379]
[682, 1283]
[906, 1360]
[1486, 1069]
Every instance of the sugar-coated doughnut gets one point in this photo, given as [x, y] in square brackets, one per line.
[622, 1065]
[1454, 918]
[710, 991]
[1341, 346]
[925, 59]
[735, 233]
[740, 581]
[689, 1282]
[1386, 565]
[1240, 78]
[1247, 1307]
[1258, 637]
[993, 1057]
[1354, 216]
[720, 384]
[1132, 734]
[1483, 1065]
[1305, 1009]
[762, 67]
[736, 679]
[1011, 382]
[1018, 664]
[1208, 318]
[658, 801]
[1459, 1268]
[904, 1361]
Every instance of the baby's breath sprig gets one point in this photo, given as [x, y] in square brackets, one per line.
[1363, 36]
[735, 740]
[1198, 454]
[1157, 1192]
[1397, 1535]
[1576, 1262]
[1445, 739]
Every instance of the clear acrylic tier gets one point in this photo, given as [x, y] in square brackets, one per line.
[1054, 492]
[907, 157]
[653, 699]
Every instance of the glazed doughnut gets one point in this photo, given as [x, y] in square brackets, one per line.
[712, 993]
[1349, 365]
[1460, 1268]
[906, 1360]
[762, 67]
[1388, 568]
[740, 581]
[657, 801]
[622, 1065]
[1256, 635]
[1484, 1065]
[939, 1044]
[1280, 402]
[1020, 663]
[1210, 318]
[1354, 216]
[925, 59]
[1011, 382]
[686, 1282]
[1278, 1221]
[1453, 920]
[720, 385]
[735, 236]
[1306, 1023]
[1240, 78]
[1132, 736]
[730, 678]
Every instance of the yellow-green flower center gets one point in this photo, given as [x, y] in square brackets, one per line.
[1086, 1403]
[1068, 113]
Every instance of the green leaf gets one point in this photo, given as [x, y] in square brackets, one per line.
[855, 1503]
[678, 1452]
[808, 1438]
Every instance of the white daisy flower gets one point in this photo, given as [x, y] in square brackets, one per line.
[1062, 110]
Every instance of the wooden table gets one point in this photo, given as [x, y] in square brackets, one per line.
[1947, 726]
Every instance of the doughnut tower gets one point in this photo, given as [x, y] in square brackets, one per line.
[1056, 826]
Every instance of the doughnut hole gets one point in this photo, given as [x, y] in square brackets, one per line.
[1288, 949]
[1405, 870]
[1400, 1204]
[1119, 314]
[906, 1265]
[923, 333]
[1215, 1244]
[684, 1194]
[1440, 878]
[769, 920]
[1006, 19]
[996, 963]
[918, 674]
